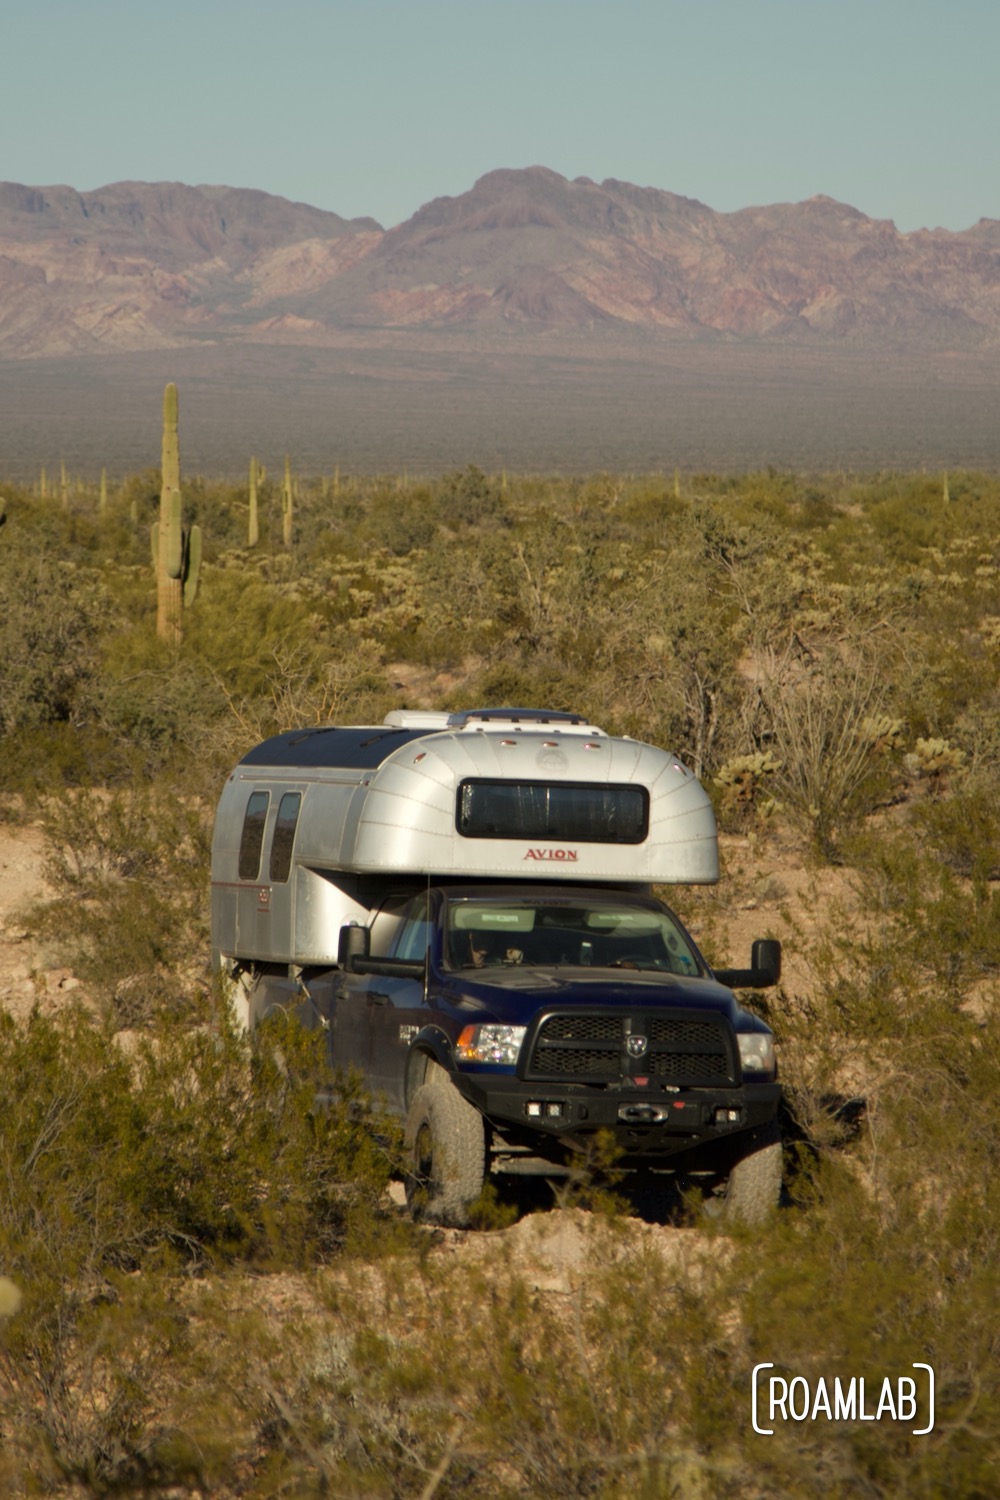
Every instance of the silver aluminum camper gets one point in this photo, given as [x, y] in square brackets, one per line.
[312, 823]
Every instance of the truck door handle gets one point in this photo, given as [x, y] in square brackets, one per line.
[374, 998]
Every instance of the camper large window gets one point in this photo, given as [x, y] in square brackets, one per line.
[577, 811]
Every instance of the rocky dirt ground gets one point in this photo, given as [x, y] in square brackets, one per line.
[28, 973]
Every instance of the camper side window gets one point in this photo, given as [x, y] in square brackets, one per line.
[252, 840]
[284, 836]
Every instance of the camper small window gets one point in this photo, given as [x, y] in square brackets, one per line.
[284, 836]
[252, 840]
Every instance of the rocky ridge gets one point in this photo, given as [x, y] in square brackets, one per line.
[139, 266]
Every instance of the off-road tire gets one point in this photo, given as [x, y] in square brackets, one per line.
[753, 1187]
[445, 1141]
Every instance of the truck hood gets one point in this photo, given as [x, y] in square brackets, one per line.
[513, 996]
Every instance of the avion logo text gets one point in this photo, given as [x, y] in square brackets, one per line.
[566, 855]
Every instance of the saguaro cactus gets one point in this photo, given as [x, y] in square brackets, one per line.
[253, 529]
[176, 551]
[287, 504]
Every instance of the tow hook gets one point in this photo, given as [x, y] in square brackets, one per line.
[642, 1114]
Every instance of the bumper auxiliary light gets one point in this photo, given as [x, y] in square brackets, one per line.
[724, 1116]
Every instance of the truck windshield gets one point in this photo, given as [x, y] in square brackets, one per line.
[540, 932]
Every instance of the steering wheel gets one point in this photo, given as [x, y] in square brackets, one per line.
[637, 961]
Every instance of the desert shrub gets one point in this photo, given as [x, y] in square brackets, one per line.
[134, 1161]
[823, 720]
[125, 1149]
[130, 870]
[50, 614]
[401, 521]
[930, 896]
[964, 829]
[470, 498]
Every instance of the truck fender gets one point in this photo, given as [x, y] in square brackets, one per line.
[429, 1049]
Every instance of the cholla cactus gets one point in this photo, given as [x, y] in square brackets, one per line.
[742, 781]
[934, 758]
[176, 551]
[884, 734]
[989, 627]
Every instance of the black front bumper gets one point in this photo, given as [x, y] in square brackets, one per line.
[648, 1123]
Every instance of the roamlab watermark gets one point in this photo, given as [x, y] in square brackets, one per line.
[779, 1399]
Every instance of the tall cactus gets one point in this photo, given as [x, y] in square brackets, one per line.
[253, 529]
[176, 551]
[102, 496]
[287, 504]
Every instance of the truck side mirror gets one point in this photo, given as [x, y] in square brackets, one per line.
[355, 942]
[765, 957]
[764, 970]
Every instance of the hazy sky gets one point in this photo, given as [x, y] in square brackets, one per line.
[375, 106]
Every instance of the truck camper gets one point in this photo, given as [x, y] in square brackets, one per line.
[463, 904]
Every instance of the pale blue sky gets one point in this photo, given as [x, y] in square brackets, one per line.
[375, 106]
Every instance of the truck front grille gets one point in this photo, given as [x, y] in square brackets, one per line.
[707, 1067]
[680, 1048]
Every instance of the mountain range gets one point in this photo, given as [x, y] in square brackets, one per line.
[159, 266]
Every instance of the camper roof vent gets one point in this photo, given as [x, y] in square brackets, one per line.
[416, 718]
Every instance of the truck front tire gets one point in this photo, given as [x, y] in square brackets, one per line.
[445, 1142]
[753, 1187]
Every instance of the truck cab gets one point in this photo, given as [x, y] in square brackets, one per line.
[463, 905]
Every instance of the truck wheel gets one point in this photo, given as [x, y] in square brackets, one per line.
[446, 1150]
[753, 1186]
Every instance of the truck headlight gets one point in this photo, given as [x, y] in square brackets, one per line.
[757, 1054]
[490, 1043]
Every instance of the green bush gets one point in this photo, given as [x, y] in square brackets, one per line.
[136, 1160]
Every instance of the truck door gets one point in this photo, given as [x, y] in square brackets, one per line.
[397, 1007]
[365, 1030]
